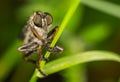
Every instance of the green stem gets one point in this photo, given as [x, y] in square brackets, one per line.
[34, 78]
[66, 19]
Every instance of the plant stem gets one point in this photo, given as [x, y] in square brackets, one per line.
[34, 77]
[66, 19]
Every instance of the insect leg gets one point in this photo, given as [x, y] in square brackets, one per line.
[37, 35]
[26, 58]
[27, 50]
[41, 57]
[55, 49]
[50, 37]
[52, 33]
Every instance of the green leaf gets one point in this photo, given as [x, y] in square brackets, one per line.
[9, 60]
[95, 33]
[80, 58]
[104, 6]
[119, 80]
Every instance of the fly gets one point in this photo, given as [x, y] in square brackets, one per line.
[37, 36]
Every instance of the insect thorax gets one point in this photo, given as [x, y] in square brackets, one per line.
[39, 22]
[29, 36]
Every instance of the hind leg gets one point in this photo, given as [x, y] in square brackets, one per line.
[38, 62]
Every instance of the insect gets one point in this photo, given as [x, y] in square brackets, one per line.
[37, 36]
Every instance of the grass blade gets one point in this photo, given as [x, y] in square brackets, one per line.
[80, 58]
[66, 19]
[104, 6]
[9, 60]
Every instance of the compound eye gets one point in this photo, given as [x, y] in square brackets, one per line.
[49, 19]
[37, 20]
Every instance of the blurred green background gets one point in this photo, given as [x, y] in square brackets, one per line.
[95, 25]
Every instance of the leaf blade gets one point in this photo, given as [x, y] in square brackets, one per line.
[80, 58]
[104, 6]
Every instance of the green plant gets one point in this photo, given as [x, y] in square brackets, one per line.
[11, 57]
[69, 61]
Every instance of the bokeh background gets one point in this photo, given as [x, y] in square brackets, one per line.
[95, 25]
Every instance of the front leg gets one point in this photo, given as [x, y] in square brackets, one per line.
[27, 50]
[52, 33]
